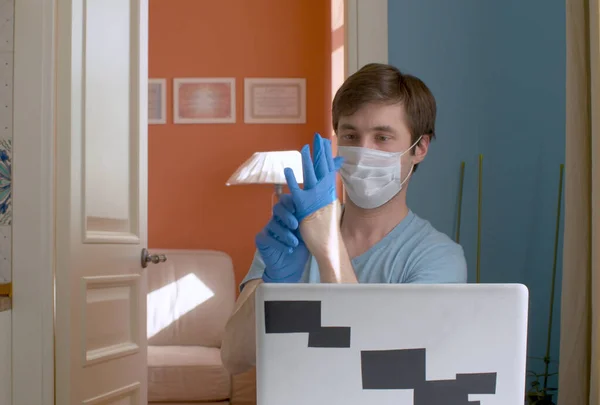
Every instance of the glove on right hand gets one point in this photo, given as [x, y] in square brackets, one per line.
[280, 245]
[319, 179]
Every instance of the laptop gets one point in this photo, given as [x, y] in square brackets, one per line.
[396, 344]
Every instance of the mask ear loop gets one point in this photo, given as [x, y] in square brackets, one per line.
[407, 176]
[412, 166]
[412, 146]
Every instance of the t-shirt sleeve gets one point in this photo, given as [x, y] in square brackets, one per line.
[439, 263]
[257, 269]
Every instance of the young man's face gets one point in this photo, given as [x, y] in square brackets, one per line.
[381, 127]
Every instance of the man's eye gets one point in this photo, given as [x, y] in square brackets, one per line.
[348, 137]
[383, 138]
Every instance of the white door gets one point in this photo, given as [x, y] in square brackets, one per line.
[101, 201]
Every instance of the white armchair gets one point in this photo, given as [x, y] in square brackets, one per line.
[190, 298]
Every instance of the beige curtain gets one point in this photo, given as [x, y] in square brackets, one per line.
[579, 373]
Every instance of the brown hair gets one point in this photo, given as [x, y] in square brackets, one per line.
[380, 83]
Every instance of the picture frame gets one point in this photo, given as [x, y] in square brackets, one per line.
[204, 100]
[157, 101]
[275, 101]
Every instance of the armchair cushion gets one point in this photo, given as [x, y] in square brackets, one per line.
[190, 298]
[187, 373]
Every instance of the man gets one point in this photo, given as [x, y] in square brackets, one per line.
[384, 121]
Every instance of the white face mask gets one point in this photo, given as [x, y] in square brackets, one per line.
[372, 177]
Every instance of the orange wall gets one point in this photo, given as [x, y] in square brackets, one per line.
[189, 205]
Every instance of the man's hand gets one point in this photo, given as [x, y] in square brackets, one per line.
[321, 230]
[317, 207]
[319, 178]
[280, 246]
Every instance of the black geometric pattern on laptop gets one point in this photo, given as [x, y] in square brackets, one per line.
[304, 317]
[401, 369]
[406, 370]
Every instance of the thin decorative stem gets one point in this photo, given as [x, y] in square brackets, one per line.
[479, 198]
[556, 237]
[460, 197]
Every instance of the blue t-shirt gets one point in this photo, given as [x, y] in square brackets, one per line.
[413, 252]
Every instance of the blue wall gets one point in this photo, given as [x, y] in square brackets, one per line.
[497, 69]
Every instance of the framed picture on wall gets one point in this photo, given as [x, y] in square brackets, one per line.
[157, 101]
[204, 100]
[275, 101]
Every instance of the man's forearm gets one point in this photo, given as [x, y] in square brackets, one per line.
[335, 265]
[322, 235]
[238, 348]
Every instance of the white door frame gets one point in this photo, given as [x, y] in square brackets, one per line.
[33, 204]
[366, 33]
[33, 180]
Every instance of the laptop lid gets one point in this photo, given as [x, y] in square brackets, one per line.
[400, 344]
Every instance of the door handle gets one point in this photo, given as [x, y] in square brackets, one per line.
[148, 258]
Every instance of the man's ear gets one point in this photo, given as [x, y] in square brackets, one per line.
[421, 149]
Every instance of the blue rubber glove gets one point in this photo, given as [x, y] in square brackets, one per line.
[280, 245]
[319, 178]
